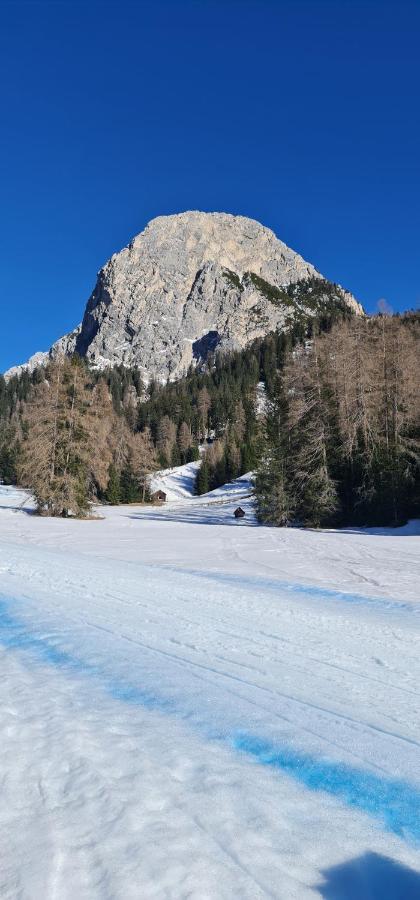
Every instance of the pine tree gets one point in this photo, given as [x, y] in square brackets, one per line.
[203, 476]
[113, 489]
[193, 454]
[310, 481]
[273, 487]
[274, 503]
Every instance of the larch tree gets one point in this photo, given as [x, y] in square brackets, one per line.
[166, 439]
[184, 440]
[57, 452]
[142, 459]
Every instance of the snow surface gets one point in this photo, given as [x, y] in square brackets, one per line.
[178, 483]
[198, 707]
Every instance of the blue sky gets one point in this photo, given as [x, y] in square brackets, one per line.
[303, 115]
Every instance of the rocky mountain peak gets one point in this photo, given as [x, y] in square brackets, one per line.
[192, 282]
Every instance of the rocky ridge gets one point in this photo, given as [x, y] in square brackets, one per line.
[191, 283]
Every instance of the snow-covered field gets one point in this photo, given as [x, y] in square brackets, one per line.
[198, 707]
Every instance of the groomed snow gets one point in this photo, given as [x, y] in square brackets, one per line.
[198, 707]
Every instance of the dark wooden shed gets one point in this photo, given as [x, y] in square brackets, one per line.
[159, 497]
[239, 513]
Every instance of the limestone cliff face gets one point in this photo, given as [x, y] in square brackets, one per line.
[65, 345]
[190, 283]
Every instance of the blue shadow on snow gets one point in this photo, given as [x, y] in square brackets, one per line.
[306, 590]
[396, 804]
[370, 877]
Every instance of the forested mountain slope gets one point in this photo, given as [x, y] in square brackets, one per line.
[336, 440]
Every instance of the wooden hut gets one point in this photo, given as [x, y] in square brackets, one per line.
[239, 513]
[159, 497]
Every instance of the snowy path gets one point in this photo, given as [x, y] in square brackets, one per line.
[151, 661]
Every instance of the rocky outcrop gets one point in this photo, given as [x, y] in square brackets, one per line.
[191, 283]
[65, 345]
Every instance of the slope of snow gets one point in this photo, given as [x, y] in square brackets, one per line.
[178, 482]
[197, 707]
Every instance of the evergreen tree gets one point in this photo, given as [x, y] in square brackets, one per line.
[113, 489]
[9, 456]
[192, 454]
[202, 482]
[130, 489]
[273, 483]
[310, 439]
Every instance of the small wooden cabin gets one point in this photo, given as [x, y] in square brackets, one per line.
[159, 497]
[239, 513]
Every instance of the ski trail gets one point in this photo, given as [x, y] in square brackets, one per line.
[395, 803]
[313, 592]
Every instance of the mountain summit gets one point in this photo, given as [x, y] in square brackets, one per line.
[191, 283]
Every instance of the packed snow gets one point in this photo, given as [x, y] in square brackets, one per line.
[198, 707]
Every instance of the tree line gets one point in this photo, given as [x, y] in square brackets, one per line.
[342, 435]
[338, 443]
[71, 433]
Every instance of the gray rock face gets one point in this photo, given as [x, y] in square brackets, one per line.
[65, 345]
[187, 284]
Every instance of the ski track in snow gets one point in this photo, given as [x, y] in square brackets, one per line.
[395, 803]
[195, 710]
[306, 590]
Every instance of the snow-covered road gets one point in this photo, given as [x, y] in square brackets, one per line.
[198, 707]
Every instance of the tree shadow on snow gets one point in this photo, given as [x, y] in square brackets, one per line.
[18, 508]
[370, 877]
[191, 519]
[410, 529]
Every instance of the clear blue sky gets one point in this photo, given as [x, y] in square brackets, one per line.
[301, 114]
